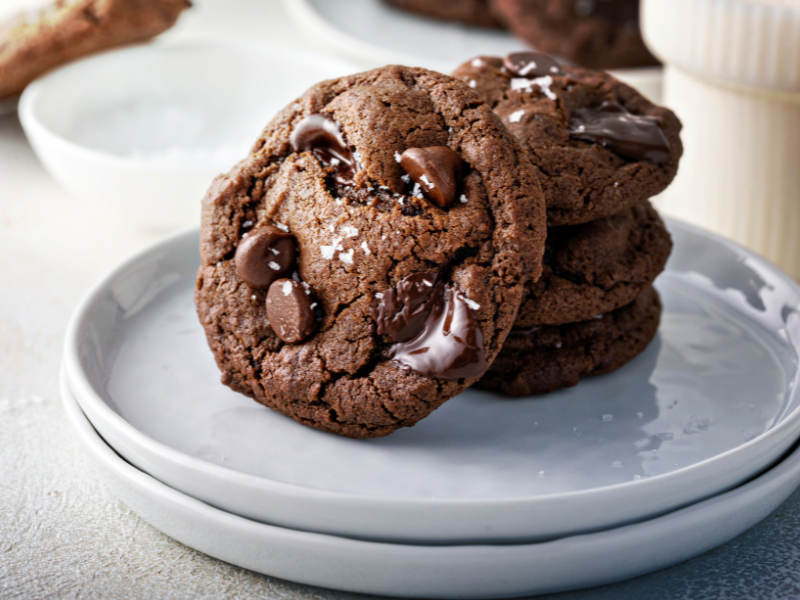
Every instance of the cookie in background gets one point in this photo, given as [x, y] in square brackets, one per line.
[599, 34]
[468, 12]
[36, 41]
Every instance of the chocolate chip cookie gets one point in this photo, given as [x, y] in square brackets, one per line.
[598, 34]
[596, 267]
[395, 223]
[37, 41]
[469, 12]
[600, 146]
[539, 360]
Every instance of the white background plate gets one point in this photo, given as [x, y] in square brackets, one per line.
[384, 34]
[438, 571]
[374, 34]
[712, 401]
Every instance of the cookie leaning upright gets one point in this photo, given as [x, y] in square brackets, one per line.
[34, 42]
[415, 221]
[600, 145]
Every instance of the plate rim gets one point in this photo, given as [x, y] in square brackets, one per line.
[86, 390]
[777, 477]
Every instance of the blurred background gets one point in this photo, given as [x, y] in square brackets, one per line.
[146, 131]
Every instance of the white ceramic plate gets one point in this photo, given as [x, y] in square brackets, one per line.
[439, 571]
[374, 34]
[145, 129]
[713, 401]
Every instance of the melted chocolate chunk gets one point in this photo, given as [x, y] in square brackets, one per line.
[531, 65]
[434, 327]
[619, 11]
[290, 310]
[266, 254]
[631, 136]
[321, 135]
[403, 310]
[437, 170]
[450, 346]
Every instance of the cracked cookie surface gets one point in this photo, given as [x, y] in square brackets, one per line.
[361, 231]
[596, 267]
[540, 360]
[37, 41]
[582, 180]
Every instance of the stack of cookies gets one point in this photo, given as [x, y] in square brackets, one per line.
[385, 245]
[601, 150]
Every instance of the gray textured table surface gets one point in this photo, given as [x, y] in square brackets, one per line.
[62, 535]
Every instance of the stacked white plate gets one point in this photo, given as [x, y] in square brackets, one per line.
[679, 451]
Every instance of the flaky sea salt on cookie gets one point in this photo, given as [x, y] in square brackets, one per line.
[365, 263]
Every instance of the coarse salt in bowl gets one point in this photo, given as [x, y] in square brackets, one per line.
[147, 128]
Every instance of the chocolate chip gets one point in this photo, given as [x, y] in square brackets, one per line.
[631, 136]
[437, 170]
[531, 64]
[290, 310]
[450, 345]
[266, 254]
[321, 135]
[403, 309]
[434, 326]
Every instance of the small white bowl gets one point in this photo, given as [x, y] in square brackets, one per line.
[147, 128]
